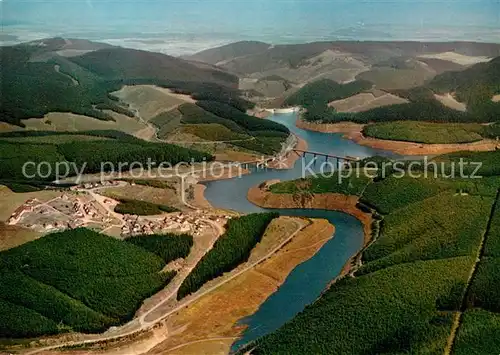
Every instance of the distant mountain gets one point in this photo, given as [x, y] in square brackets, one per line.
[230, 51]
[68, 75]
[388, 65]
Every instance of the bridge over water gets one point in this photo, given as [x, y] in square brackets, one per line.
[264, 162]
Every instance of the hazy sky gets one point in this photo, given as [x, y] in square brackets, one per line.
[185, 26]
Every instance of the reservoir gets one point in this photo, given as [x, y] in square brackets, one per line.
[306, 282]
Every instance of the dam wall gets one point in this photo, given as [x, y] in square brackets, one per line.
[283, 110]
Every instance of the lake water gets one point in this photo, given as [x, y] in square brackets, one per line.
[306, 282]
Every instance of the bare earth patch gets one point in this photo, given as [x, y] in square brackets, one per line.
[231, 155]
[12, 236]
[331, 64]
[450, 101]
[151, 100]
[327, 201]
[496, 98]
[59, 121]
[73, 52]
[168, 197]
[366, 101]
[402, 148]
[5, 127]
[457, 58]
[386, 78]
[289, 160]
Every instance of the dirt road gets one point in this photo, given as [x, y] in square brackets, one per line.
[142, 323]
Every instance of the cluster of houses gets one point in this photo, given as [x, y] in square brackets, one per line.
[180, 223]
[66, 211]
[177, 222]
[72, 210]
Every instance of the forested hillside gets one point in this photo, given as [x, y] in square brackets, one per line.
[79, 280]
[37, 80]
[413, 280]
[88, 150]
[475, 87]
[320, 93]
[216, 121]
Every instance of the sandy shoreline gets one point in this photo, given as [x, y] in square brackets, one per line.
[327, 201]
[218, 314]
[353, 131]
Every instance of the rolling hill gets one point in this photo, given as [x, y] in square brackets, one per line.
[66, 75]
[451, 97]
[388, 65]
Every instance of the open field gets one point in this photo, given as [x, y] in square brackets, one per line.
[150, 101]
[56, 121]
[6, 127]
[366, 101]
[13, 236]
[458, 58]
[450, 101]
[426, 132]
[386, 78]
